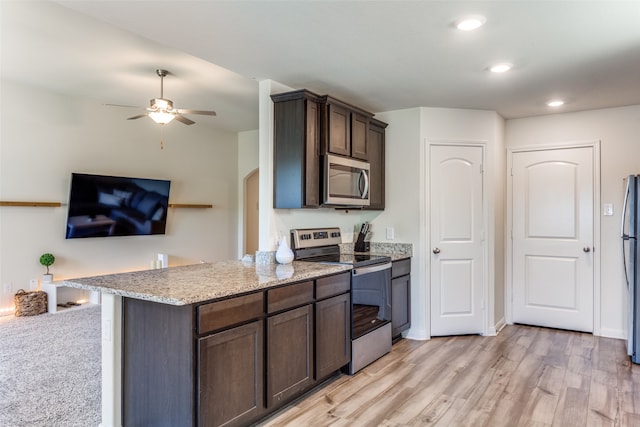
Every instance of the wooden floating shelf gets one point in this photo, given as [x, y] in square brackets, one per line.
[58, 204]
[32, 204]
[189, 205]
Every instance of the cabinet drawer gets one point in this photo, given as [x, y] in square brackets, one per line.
[333, 285]
[289, 296]
[401, 267]
[220, 314]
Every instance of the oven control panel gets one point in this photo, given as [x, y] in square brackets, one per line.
[313, 237]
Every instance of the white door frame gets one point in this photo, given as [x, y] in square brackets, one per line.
[487, 292]
[595, 145]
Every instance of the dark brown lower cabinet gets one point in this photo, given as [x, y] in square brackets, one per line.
[333, 335]
[231, 376]
[230, 362]
[400, 297]
[289, 354]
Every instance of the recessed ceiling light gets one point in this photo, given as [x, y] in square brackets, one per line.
[555, 103]
[501, 68]
[469, 23]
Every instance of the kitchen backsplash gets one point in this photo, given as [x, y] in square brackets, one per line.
[397, 249]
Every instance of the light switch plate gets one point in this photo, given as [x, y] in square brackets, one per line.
[608, 209]
[390, 233]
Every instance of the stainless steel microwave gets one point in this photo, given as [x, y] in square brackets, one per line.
[345, 181]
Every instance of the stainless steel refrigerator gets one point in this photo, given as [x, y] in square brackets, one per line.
[630, 229]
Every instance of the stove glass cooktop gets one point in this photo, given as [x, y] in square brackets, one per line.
[357, 260]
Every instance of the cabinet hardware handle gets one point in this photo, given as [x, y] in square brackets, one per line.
[436, 250]
[586, 249]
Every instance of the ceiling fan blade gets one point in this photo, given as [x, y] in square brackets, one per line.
[188, 111]
[183, 119]
[137, 117]
[120, 105]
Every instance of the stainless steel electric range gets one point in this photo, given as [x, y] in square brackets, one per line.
[370, 291]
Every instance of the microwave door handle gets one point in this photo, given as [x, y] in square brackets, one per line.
[365, 191]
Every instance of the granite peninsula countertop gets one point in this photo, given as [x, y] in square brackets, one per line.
[196, 283]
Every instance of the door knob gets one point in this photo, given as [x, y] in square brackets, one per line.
[436, 250]
[586, 249]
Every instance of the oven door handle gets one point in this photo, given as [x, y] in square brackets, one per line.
[359, 271]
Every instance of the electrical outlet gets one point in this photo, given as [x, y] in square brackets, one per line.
[7, 288]
[33, 284]
[390, 233]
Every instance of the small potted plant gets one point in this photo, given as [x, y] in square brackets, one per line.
[47, 260]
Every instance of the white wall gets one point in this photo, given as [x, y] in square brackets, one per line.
[45, 136]
[618, 129]
[248, 161]
[404, 197]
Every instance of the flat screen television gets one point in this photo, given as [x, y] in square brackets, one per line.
[102, 206]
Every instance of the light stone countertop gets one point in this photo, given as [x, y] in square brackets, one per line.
[197, 283]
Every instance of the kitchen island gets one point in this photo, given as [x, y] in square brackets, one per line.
[160, 328]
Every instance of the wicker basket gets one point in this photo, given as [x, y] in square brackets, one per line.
[30, 303]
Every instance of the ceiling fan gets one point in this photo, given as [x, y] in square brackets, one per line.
[161, 109]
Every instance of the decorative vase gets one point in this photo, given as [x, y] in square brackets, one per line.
[47, 278]
[284, 254]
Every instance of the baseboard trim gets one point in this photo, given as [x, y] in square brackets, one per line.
[418, 335]
[613, 333]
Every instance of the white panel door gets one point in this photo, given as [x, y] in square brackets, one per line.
[457, 264]
[553, 238]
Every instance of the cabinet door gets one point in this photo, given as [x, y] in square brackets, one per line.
[339, 130]
[375, 148]
[333, 335]
[359, 133]
[296, 150]
[400, 305]
[231, 375]
[311, 196]
[289, 354]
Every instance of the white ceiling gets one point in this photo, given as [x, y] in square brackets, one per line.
[379, 55]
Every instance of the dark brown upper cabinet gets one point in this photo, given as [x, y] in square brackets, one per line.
[296, 150]
[306, 126]
[375, 148]
[346, 129]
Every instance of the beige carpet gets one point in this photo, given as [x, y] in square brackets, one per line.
[50, 369]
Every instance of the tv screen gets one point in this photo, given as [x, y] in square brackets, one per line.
[101, 206]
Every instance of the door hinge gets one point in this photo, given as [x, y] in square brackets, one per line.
[481, 168]
[511, 171]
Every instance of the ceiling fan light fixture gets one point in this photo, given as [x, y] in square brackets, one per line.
[470, 23]
[161, 104]
[161, 117]
[161, 109]
[501, 68]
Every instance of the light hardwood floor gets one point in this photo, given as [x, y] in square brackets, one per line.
[526, 376]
